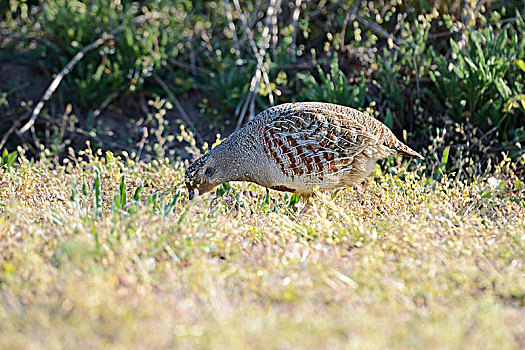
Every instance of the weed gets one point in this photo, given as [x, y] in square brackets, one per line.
[484, 79]
[8, 160]
[333, 87]
[444, 253]
[123, 63]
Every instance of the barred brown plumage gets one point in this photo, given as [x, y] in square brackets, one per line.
[297, 147]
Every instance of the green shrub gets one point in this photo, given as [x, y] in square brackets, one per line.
[394, 56]
[231, 84]
[8, 160]
[400, 72]
[139, 48]
[333, 87]
[483, 77]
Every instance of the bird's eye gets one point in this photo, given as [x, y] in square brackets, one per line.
[209, 171]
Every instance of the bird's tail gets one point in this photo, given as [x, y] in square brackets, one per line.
[401, 148]
[407, 151]
[412, 153]
[392, 142]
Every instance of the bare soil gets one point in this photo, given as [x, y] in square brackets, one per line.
[120, 126]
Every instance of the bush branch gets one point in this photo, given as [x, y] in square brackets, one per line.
[58, 79]
[179, 107]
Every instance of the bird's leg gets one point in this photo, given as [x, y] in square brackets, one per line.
[308, 206]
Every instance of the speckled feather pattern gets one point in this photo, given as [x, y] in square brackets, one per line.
[299, 146]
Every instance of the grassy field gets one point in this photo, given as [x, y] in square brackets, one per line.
[100, 247]
[91, 261]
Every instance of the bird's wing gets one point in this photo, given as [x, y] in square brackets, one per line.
[313, 140]
[377, 133]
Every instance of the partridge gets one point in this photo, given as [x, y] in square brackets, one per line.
[297, 147]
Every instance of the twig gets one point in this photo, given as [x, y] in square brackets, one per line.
[508, 148]
[179, 107]
[484, 136]
[254, 85]
[343, 31]
[378, 29]
[105, 103]
[501, 21]
[253, 21]
[259, 54]
[91, 135]
[143, 105]
[193, 63]
[240, 104]
[19, 37]
[9, 132]
[188, 67]
[54, 84]
[233, 29]
[349, 15]
[252, 107]
[416, 68]
[273, 9]
[142, 142]
[35, 139]
[295, 18]
[108, 100]
[242, 113]
[320, 7]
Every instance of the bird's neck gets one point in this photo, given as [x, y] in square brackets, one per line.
[233, 161]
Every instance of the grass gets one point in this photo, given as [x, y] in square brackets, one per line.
[409, 262]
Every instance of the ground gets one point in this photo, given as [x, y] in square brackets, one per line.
[410, 262]
[119, 127]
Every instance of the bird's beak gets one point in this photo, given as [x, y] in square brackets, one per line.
[191, 194]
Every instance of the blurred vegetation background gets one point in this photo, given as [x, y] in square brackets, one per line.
[446, 76]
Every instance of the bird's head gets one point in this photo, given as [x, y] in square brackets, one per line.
[202, 175]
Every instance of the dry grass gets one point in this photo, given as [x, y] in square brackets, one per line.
[407, 263]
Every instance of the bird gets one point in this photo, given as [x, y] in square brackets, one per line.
[298, 147]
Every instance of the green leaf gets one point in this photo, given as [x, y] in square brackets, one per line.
[454, 46]
[389, 120]
[168, 209]
[12, 158]
[136, 195]
[444, 160]
[98, 73]
[266, 199]
[293, 200]
[97, 195]
[84, 190]
[122, 192]
[471, 63]
[90, 121]
[154, 202]
[521, 64]
[503, 88]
